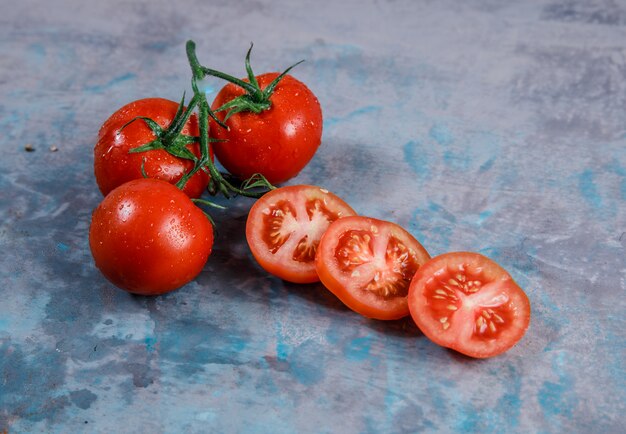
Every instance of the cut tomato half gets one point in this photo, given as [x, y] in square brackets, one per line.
[368, 264]
[284, 228]
[467, 302]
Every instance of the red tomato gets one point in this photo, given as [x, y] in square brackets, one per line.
[368, 264]
[285, 226]
[148, 237]
[467, 302]
[279, 141]
[114, 165]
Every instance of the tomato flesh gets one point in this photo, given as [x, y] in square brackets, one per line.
[467, 302]
[368, 264]
[284, 228]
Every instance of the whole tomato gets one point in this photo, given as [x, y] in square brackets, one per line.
[148, 237]
[114, 165]
[277, 142]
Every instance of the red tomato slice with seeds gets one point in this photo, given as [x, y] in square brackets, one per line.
[368, 264]
[284, 228]
[467, 302]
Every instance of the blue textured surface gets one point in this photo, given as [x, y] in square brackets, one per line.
[477, 125]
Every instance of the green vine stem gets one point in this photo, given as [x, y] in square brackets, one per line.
[173, 141]
[254, 187]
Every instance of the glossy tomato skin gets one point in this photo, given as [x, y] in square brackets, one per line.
[284, 228]
[147, 237]
[277, 142]
[368, 264]
[114, 165]
[467, 302]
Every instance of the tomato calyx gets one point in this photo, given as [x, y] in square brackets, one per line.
[170, 139]
[255, 99]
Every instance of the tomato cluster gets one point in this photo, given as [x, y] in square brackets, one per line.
[154, 159]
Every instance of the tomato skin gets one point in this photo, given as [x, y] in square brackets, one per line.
[147, 237]
[279, 141]
[114, 165]
[311, 219]
[481, 285]
[349, 287]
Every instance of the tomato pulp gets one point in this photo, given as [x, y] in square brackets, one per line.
[284, 228]
[114, 165]
[277, 142]
[467, 302]
[148, 237]
[368, 264]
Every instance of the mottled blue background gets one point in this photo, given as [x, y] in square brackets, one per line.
[483, 125]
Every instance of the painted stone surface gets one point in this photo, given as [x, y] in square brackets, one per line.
[477, 125]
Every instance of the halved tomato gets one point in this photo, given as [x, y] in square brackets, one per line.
[467, 302]
[368, 264]
[284, 228]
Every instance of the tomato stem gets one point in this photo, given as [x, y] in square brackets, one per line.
[173, 141]
[218, 183]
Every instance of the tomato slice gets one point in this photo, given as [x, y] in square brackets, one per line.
[368, 264]
[467, 302]
[284, 228]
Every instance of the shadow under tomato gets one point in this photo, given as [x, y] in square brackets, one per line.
[403, 328]
[462, 358]
[315, 293]
[231, 261]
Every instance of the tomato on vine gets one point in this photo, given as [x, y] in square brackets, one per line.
[274, 124]
[149, 238]
[151, 137]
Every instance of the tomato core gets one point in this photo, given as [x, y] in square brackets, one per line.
[283, 222]
[391, 274]
[466, 291]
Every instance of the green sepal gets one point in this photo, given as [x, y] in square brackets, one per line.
[155, 144]
[143, 168]
[269, 90]
[209, 203]
[243, 103]
[257, 181]
[251, 76]
[182, 152]
[179, 120]
[156, 128]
